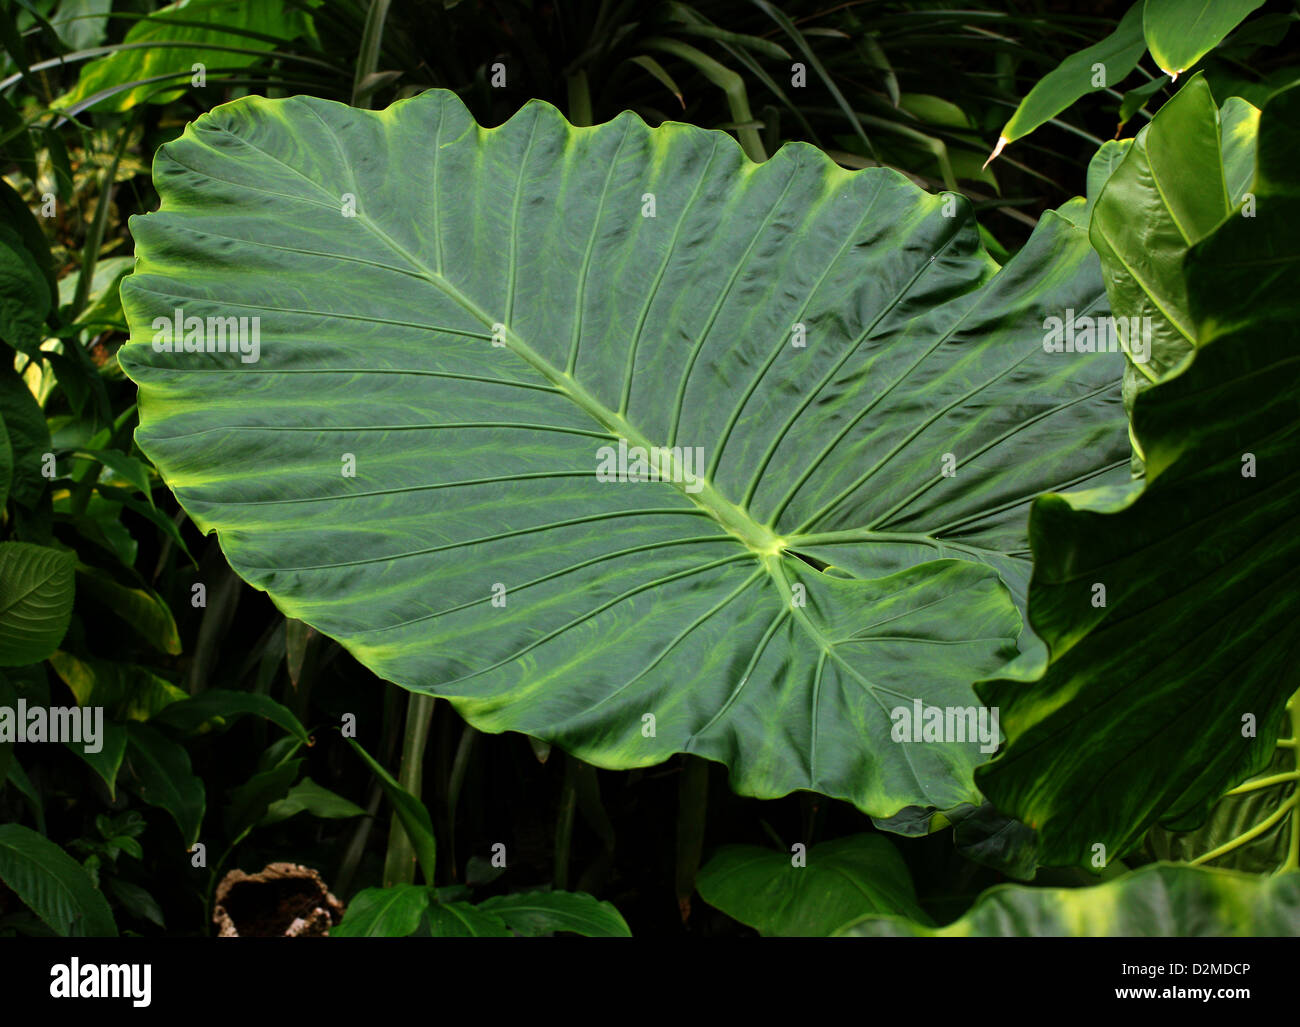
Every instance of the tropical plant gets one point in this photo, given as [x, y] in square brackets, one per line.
[561, 460]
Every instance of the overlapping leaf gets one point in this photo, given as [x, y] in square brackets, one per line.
[454, 321]
[838, 883]
[163, 49]
[1159, 901]
[1173, 691]
[1184, 173]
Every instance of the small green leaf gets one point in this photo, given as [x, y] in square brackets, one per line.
[250, 801]
[309, 797]
[384, 912]
[29, 437]
[136, 604]
[24, 295]
[36, 593]
[136, 901]
[532, 914]
[842, 881]
[224, 706]
[163, 778]
[461, 920]
[128, 468]
[125, 690]
[53, 885]
[108, 760]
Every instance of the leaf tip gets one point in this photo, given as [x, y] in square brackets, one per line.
[1002, 142]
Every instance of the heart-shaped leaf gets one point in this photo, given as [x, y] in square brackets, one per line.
[426, 446]
[836, 884]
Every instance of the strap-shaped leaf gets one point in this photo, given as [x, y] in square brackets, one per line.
[1104, 64]
[460, 327]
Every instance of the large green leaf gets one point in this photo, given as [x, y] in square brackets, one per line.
[36, 593]
[53, 885]
[1180, 32]
[1169, 192]
[1157, 702]
[840, 882]
[632, 620]
[1159, 901]
[161, 50]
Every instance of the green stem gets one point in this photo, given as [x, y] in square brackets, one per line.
[399, 863]
[95, 237]
[356, 847]
[1293, 856]
[692, 805]
[564, 823]
[579, 98]
[368, 58]
[459, 765]
[1265, 782]
[1254, 832]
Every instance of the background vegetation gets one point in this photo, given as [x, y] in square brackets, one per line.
[223, 713]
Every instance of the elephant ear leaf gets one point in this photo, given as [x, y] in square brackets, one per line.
[612, 437]
[1168, 606]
